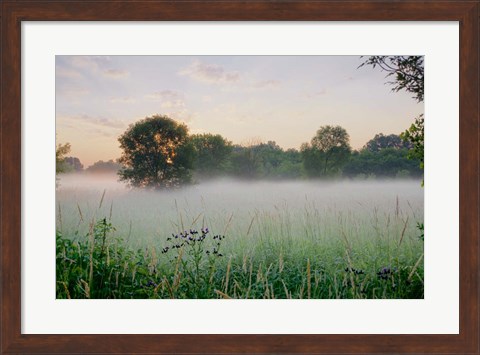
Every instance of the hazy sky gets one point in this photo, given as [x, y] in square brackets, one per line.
[280, 98]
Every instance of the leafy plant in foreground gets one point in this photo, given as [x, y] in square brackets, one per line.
[98, 266]
[196, 255]
[420, 229]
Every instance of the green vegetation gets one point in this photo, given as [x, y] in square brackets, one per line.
[60, 156]
[408, 75]
[385, 163]
[415, 136]
[212, 154]
[301, 239]
[157, 153]
[157, 245]
[327, 152]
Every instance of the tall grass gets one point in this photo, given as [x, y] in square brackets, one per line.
[246, 241]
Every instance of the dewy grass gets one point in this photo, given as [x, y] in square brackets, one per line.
[247, 241]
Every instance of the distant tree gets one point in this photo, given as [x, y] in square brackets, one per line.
[245, 160]
[381, 141]
[61, 151]
[157, 153]
[291, 166]
[327, 152]
[270, 157]
[211, 154]
[104, 167]
[408, 75]
[73, 164]
[257, 160]
[387, 162]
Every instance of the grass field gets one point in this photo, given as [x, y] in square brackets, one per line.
[228, 239]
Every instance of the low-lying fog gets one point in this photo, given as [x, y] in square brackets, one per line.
[236, 206]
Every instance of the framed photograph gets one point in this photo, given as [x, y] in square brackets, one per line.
[240, 177]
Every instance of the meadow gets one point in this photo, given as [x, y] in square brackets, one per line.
[240, 239]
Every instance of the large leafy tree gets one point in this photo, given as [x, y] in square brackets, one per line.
[407, 73]
[327, 152]
[211, 153]
[157, 153]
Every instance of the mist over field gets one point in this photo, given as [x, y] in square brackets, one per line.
[234, 206]
[162, 192]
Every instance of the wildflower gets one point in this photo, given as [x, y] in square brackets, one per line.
[355, 271]
[384, 273]
[151, 283]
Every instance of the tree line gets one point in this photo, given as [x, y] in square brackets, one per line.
[158, 152]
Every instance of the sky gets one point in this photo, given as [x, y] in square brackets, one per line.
[285, 99]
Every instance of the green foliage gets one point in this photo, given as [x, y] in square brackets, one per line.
[60, 153]
[407, 72]
[421, 230]
[211, 154]
[327, 152]
[291, 165]
[415, 136]
[265, 161]
[270, 158]
[157, 153]
[387, 162]
[245, 161]
[99, 266]
[196, 255]
[283, 253]
[381, 141]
